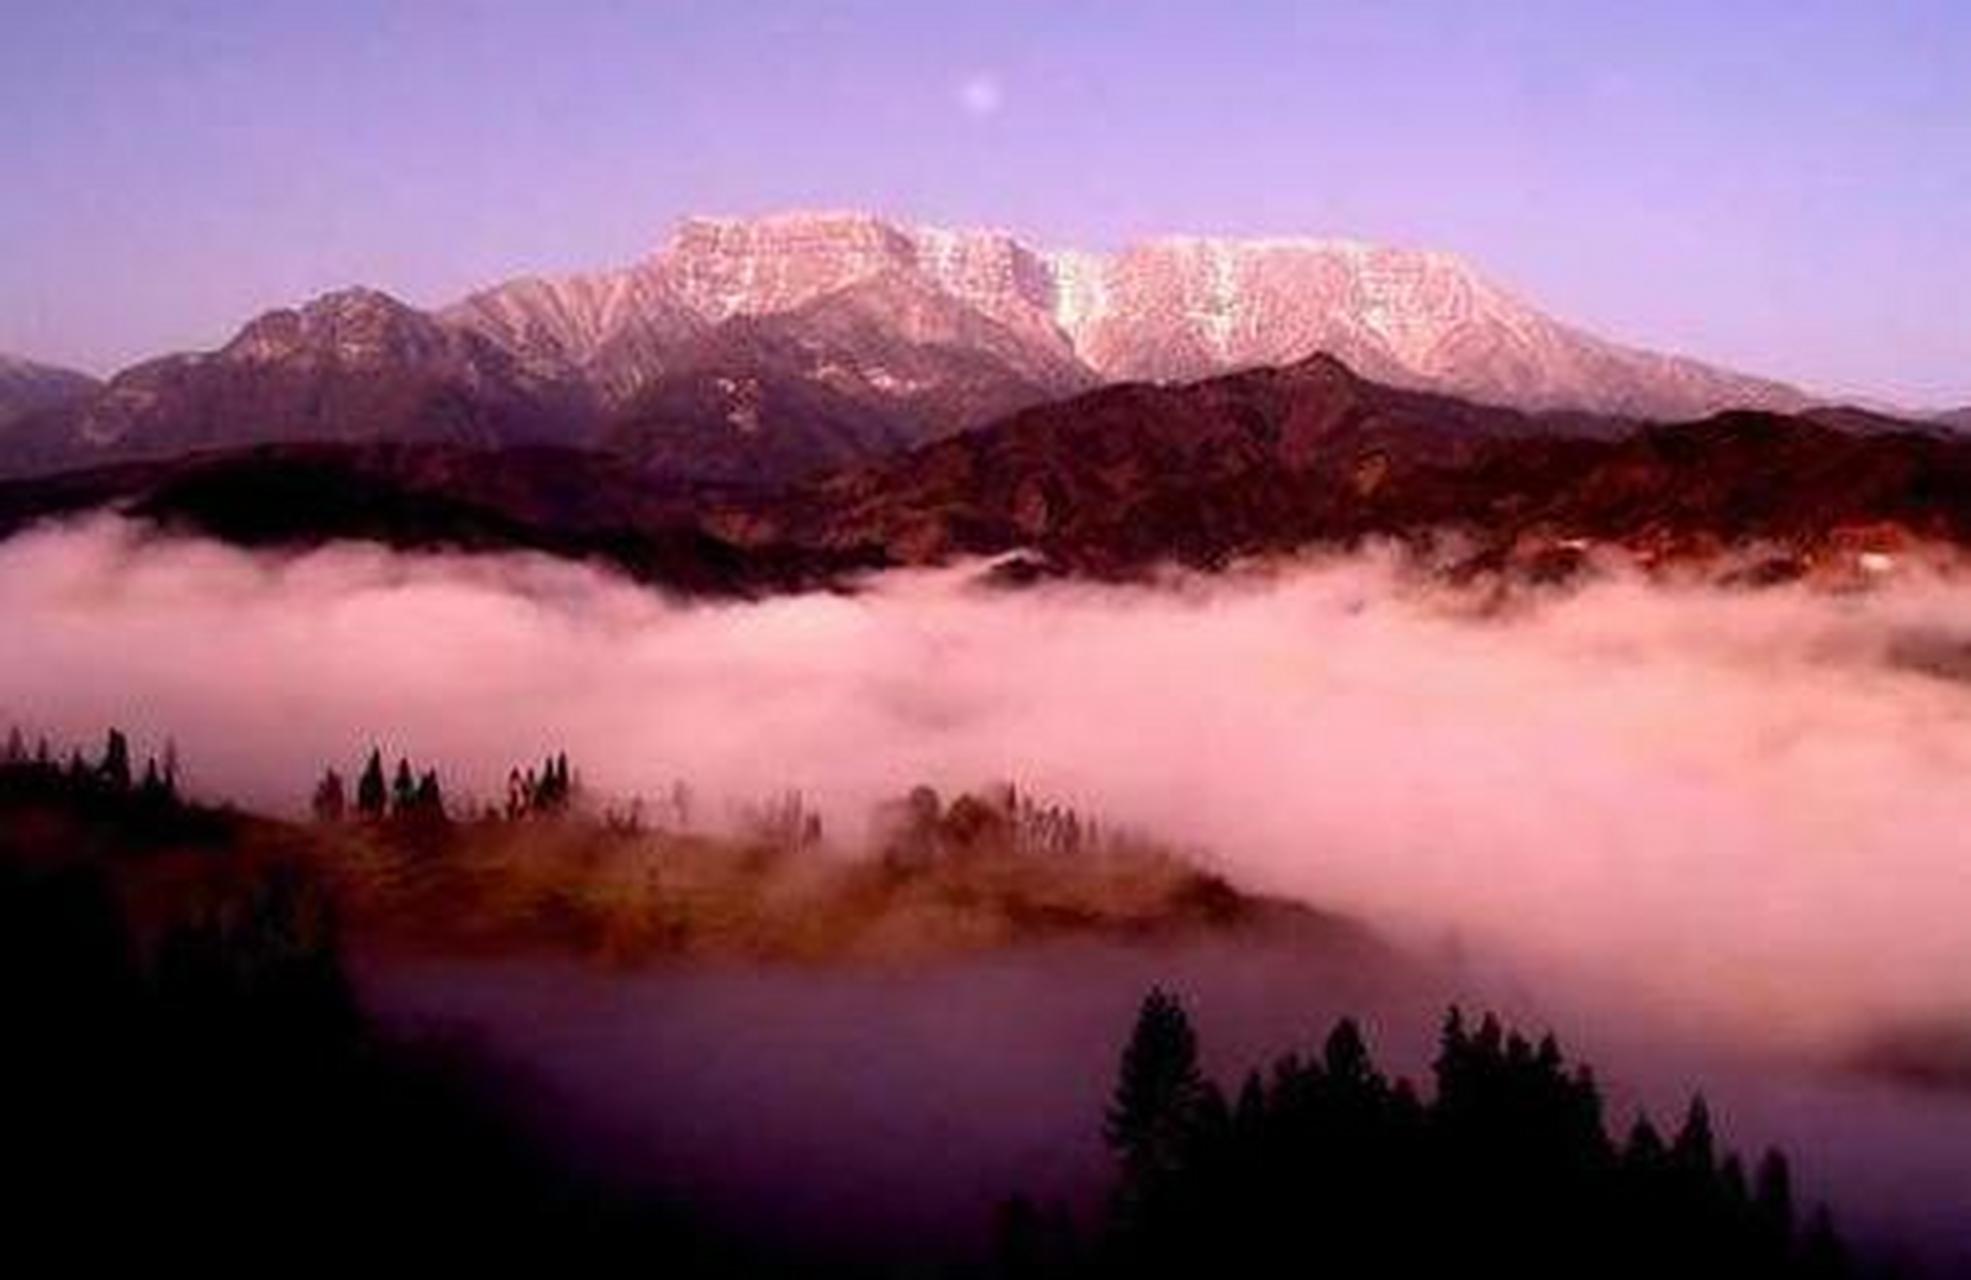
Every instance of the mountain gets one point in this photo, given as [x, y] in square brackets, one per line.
[767, 350]
[1140, 471]
[1118, 481]
[1177, 309]
[1959, 419]
[27, 387]
[352, 365]
[1172, 309]
[776, 347]
[1275, 460]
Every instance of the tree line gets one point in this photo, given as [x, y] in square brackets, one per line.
[412, 795]
[1324, 1165]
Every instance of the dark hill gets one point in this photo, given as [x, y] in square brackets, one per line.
[1278, 459]
[1115, 482]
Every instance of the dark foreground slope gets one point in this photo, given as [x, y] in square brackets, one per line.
[569, 503]
[189, 1069]
[190, 1079]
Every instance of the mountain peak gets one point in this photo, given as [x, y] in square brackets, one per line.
[1169, 308]
[357, 324]
[27, 386]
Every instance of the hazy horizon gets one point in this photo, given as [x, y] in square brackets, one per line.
[1776, 189]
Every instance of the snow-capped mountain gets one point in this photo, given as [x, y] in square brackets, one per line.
[764, 349]
[1166, 310]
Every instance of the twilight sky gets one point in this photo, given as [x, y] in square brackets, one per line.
[1778, 185]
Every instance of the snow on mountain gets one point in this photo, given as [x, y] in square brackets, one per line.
[1181, 308]
[1164, 310]
[762, 349]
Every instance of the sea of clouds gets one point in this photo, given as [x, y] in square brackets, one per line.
[1746, 808]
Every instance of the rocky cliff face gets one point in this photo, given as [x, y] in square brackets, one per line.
[1186, 308]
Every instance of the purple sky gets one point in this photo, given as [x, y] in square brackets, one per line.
[1780, 185]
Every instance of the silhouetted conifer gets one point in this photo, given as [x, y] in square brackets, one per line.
[1694, 1152]
[1731, 1179]
[151, 790]
[1644, 1154]
[372, 797]
[428, 801]
[403, 788]
[1511, 1163]
[115, 768]
[1772, 1196]
[330, 801]
[1158, 1090]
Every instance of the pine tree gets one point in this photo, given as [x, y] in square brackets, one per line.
[428, 801]
[1644, 1155]
[16, 746]
[1772, 1198]
[371, 796]
[115, 769]
[1346, 1056]
[1694, 1152]
[330, 799]
[151, 788]
[1453, 1058]
[403, 788]
[1731, 1179]
[1159, 1090]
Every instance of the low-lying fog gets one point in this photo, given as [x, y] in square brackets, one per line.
[1741, 816]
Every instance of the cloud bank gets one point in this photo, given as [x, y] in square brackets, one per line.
[1746, 807]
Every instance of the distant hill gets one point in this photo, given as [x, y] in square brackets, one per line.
[27, 387]
[571, 503]
[1113, 483]
[356, 365]
[1277, 459]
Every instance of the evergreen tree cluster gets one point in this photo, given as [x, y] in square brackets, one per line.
[1511, 1161]
[546, 792]
[407, 795]
[782, 822]
[108, 784]
[921, 828]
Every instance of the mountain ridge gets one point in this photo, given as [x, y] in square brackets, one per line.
[1174, 308]
[768, 350]
[1122, 481]
[28, 386]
